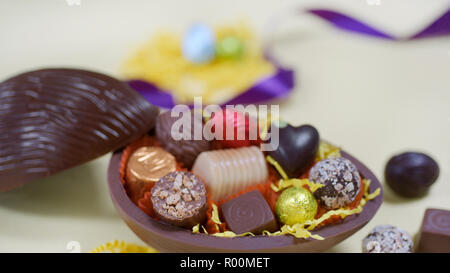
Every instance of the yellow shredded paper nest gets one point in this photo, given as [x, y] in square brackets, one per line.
[161, 62]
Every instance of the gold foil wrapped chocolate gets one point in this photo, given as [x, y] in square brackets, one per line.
[296, 205]
[146, 166]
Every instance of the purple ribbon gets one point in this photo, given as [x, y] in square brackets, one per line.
[439, 27]
[275, 86]
[281, 83]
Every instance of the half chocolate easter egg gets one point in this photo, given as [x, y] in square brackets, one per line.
[55, 119]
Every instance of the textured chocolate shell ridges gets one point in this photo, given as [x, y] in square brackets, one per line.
[54, 119]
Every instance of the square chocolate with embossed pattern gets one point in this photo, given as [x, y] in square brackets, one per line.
[435, 231]
[249, 212]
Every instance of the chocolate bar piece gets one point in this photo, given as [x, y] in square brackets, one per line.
[179, 198]
[435, 232]
[249, 212]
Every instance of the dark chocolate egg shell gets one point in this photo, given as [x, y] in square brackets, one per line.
[168, 238]
[54, 119]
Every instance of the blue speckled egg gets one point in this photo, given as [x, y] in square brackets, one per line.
[199, 44]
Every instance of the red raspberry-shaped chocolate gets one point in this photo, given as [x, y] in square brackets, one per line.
[239, 122]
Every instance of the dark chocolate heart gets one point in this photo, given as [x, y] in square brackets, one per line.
[297, 149]
[54, 119]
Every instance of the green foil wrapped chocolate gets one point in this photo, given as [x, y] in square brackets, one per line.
[296, 205]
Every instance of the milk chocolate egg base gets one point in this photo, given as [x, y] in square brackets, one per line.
[169, 238]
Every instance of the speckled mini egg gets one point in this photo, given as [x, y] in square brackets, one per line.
[199, 44]
[230, 47]
[341, 182]
[387, 239]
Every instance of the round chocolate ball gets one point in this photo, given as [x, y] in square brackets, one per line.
[181, 142]
[341, 182]
[411, 174]
[387, 239]
[296, 205]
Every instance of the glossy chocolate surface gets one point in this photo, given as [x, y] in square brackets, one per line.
[249, 212]
[411, 174]
[55, 119]
[297, 148]
[434, 234]
[179, 198]
[168, 238]
[186, 149]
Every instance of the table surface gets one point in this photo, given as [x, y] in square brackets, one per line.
[374, 98]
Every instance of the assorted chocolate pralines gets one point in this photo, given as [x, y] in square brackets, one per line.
[226, 185]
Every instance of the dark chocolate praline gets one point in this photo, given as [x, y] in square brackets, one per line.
[411, 174]
[179, 198]
[249, 212]
[341, 182]
[186, 148]
[297, 149]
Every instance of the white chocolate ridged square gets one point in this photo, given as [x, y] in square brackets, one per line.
[228, 171]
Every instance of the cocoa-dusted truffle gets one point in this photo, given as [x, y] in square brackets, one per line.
[341, 182]
[179, 198]
[387, 239]
[186, 149]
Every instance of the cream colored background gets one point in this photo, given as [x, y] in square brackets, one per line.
[372, 97]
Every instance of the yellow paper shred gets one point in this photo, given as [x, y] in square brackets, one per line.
[204, 230]
[283, 184]
[215, 215]
[123, 247]
[230, 234]
[196, 228]
[373, 194]
[326, 150]
[277, 167]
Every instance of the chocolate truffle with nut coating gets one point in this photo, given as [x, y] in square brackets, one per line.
[341, 182]
[179, 198]
[387, 239]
